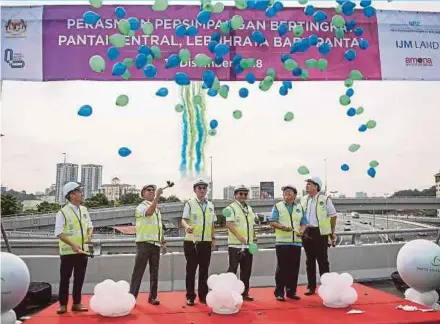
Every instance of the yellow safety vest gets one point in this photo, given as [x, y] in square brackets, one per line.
[321, 212]
[289, 220]
[75, 228]
[200, 220]
[244, 224]
[148, 228]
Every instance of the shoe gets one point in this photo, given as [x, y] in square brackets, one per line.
[280, 298]
[294, 297]
[190, 302]
[248, 298]
[79, 308]
[202, 300]
[62, 310]
[310, 292]
[154, 301]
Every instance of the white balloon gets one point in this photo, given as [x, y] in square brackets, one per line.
[112, 299]
[329, 278]
[411, 294]
[122, 287]
[239, 287]
[210, 299]
[225, 296]
[345, 279]
[8, 317]
[213, 280]
[348, 296]
[429, 298]
[418, 263]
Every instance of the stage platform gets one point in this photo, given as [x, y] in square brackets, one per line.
[379, 307]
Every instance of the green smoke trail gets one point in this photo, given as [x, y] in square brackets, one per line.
[192, 128]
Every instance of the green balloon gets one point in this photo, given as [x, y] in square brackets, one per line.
[128, 62]
[122, 101]
[374, 163]
[338, 9]
[236, 22]
[303, 170]
[124, 26]
[184, 55]
[117, 40]
[218, 7]
[356, 75]
[322, 64]
[212, 132]
[197, 100]
[344, 100]
[371, 124]
[224, 27]
[216, 84]
[237, 114]
[289, 116]
[156, 52]
[311, 64]
[148, 28]
[290, 64]
[202, 60]
[126, 75]
[226, 212]
[298, 30]
[248, 63]
[348, 82]
[131, 33]
[160, 5]
[338, 21]
[354, 147]
[207, 7]
[305, 74]
[149, 59]
[359, 111]
[339, 33]
[253, 248]
[303, 2]
[96, 3]
[223, 91]
[266, 83]
[178, 108]
[271, 72]
[97, 63]
[241, 4]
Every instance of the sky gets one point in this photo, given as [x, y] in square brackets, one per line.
[40, 122]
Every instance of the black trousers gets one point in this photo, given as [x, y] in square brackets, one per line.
[76, 263]
[146, 252]
[197, 255]
[315, 246]
[286, 274]
[244, 259]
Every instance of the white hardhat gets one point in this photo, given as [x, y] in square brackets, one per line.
[241, 188]
[70, 186]
[200, 182]
[317, 181]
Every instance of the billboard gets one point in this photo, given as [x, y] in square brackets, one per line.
[267, 190]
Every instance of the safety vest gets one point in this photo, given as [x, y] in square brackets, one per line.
[244, 224]
[75, 228]
[201, 221]
[289, 220]
[321, 212]
[148, 228]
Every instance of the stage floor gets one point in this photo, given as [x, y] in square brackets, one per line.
[379, 307]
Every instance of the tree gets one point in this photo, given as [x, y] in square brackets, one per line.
[99, 200]
[10, 205]
[430, 192]
[172, 199]
[130, 199]
[46, 207]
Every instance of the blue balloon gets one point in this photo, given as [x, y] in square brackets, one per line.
[112, 53]
[173, 61]
[284, 57]
[278, 6]
[309, 10]
[363, 44]
[145, 50]
[218, 60]
[213, 124]
[313, 39]
[261, 4]
[319, 16]
[351, 112]
[251, 4]
[283, 91]
[237, 59]
[120, 12]
[192, 31]
[348, 8]
[362, 128]
[91, 17]
[350, 25]
[243, 92]
[258, 37]
[345, 167]
[296, 47]
[371, 172]
[162, 92]
[221, 50]
[369, 11]
[340, 1]
[150, 71]
[85, 111]
[124, 151]
[365, 3]
[350, 55]
[282, 29]
[204, 86]
[141, 61]
[180, 31]
[208, 77]
[287, 84]
[119, 69]
[135, 24]
[212, 92]
[305, 44]
[250, 78]
[215, 36]
[203, 17]
[182, 78]
[297, 71]
[324, 48]
[358, 31]
[238, 69]
[211, 46]
[271, 12]
[349, 92]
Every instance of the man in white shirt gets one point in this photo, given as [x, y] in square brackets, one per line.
[321, 217]
[74, 229]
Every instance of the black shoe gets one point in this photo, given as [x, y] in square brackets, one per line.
[202, 300]
[280, 298]
[190, 302]
[154, 301]
[294, 297]
[248, 298]
[310, 292]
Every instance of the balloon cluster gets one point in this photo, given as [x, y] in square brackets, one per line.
[225, 294]
[213, 124]
[112, 299]
[336, 290]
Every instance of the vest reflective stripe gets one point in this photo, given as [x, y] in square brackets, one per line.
[324, 223]
[244, 225]
[75, 229]
[285, 219]
[148, 228]
[201, 222]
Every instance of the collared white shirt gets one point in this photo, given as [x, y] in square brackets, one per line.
[311, 210]
[203, 203]
[59, 220]
[231, 218]
[141, 209]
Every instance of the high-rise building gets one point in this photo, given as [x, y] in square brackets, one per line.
[228, 192]
[91, 179]
[116, 189]
[66, 172]
[437, 189]
[255, 192]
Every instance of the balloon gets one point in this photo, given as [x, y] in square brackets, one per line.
[97, 63]
[181, 31]
[141, 61]
[344, 100]
[211, 46]
[147, 28]
[247, 63]
[241, 4]
[338, 9]
[290, 64]
[221, 50]
[203, 17]
[243, 92]
[270, 12]
[173, 61]
[117, 40]
[303, 170]
[162, 92]
[371, 124]
[348, 8]
[119, 69]
[360, 110]
[354, 147]
[283, 90]
[322, 64]
[226, 212]
[96, 3]
[311, 63]
[313, 39]
[319, 16]
[202, 60]
[218, 7]
[374, 163]
[182, 78]
[124, 151]
[363, 44]
[356, 75]
[112, 53]
[371, 172]
[261, 4]
[120, 12]
[365, 3]
[278, 6]
[216, 36]
[304, 74]
[282, 29]
[271, 72]
[345, 167]
[237, 114]
[348, 82]
[258, 37]
[155, 50]
[349, 92]
[350, 25]
[126, 75]
[91, 18]
[122, 101]
[197, 100]
[223, 91]
[298, 30]
[309, 10]
[212, 132]
[324, 48]
[212, 92]
[207, 7]
[369, 11]
[150, 71]
[85, 111]
[338, 21]
[224, 27]
[350, 55]
[297, 71]
[124, 26]
[362, 128]
[192, 31]
[179, 108]
[351, 112]
[339, 33]
[128, 62]
[253, 248]
[289, 116]
[184, 55]
[135, 24]
[358, 31]
[250, 78]
[213, 124]
[160, 5]
[287, 84]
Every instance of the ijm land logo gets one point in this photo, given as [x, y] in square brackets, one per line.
[418, 61]
[16, 28]
[435, 261]
[15, 60]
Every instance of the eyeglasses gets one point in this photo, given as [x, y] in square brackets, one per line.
[201, 187]
[243, 194]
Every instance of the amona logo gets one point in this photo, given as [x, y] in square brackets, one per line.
[436, 261]
[418, 61]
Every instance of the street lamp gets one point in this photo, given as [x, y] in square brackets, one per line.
[211, 192]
